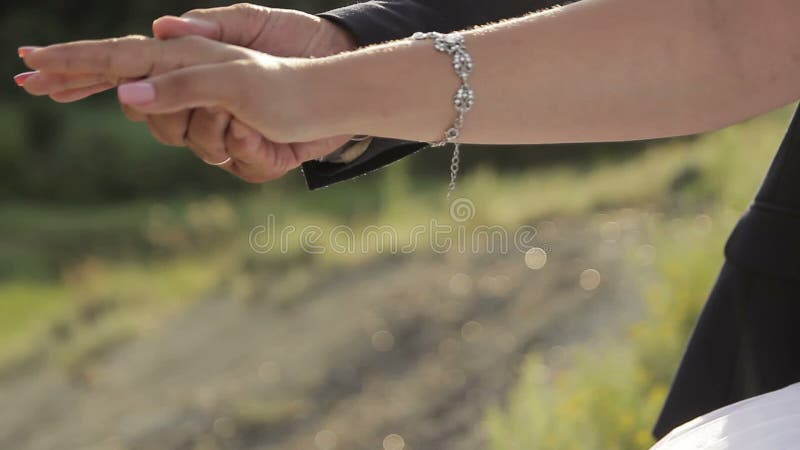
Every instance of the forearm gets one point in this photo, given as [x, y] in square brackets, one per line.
[380, 21]
[598, 70]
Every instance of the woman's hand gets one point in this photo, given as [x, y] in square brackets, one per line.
[214, 135]
[181, 74]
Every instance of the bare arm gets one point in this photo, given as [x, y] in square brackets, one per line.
[597, 70]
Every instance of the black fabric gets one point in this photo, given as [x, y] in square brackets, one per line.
[746, 340]
[382, 21]
[379, 154]
[781, 188]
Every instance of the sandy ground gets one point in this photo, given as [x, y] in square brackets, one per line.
[404, 353]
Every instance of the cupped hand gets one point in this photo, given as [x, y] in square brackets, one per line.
[211, 132]
[260, 91]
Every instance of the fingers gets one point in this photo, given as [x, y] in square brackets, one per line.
[170, 129]
[243, 143]
[192, 87]
[206, 134]
[262, 155]
[306, 151]
[39, 83]
[171, 27]
[133, 115]
[129, 57]
[237, 24]
[258, 160]
[254, 158]
[73, 95]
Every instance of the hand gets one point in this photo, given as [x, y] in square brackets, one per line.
[212, 134]
[263, 92]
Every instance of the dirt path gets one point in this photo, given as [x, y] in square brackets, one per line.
[417, 347]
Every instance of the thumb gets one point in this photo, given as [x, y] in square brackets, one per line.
[239, 24]
[170, 27]
[192, 87]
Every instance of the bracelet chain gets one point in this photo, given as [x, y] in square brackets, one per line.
[454, 45]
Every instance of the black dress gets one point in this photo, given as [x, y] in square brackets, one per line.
[746, 340]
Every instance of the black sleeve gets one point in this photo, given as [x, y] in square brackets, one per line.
[380, 21]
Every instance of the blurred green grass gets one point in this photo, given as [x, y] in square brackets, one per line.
[608, 394]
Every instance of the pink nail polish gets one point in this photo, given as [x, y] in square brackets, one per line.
[137, 93]
[20, 79]
[23, 51]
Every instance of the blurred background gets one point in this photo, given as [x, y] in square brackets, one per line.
[135, 313]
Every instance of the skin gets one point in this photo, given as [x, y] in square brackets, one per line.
[212, 133]
[600, 70]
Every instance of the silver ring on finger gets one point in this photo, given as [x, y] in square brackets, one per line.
[227, 160]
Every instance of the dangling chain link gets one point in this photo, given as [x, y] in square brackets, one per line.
[454, 166]
[454, 44]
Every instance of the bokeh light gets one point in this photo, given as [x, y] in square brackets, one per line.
[590, 279]
[536, 258]
[394, 442]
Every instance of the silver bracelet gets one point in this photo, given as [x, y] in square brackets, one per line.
[454, 44]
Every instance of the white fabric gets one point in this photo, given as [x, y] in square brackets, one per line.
[769, 421]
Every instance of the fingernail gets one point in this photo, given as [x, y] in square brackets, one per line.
[136, 93]
[20, 79]
[201, 24]
[23, 51]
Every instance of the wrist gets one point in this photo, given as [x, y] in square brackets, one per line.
[399, 90]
